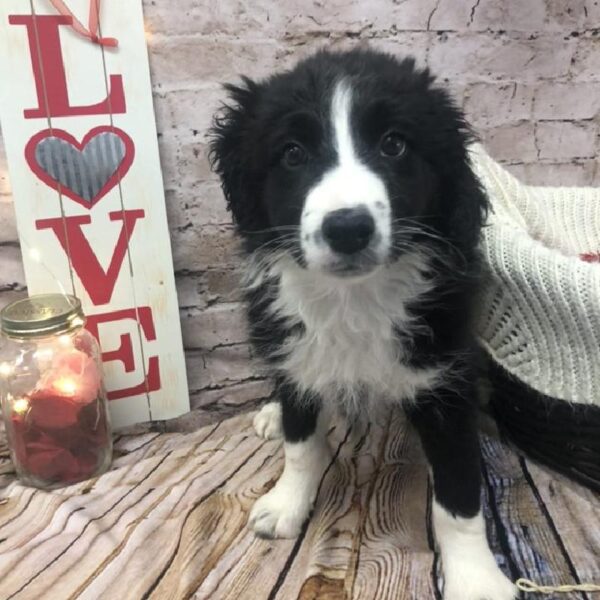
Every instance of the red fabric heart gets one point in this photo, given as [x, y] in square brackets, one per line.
[591, 257]
[109, 184]
[50, 446]
[53, 464]
[52, 412]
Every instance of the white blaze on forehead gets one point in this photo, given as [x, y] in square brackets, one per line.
[341, 107]
[348, 184]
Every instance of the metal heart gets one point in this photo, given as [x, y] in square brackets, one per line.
[84, 171]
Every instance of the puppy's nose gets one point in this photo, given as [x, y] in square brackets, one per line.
[348, 230]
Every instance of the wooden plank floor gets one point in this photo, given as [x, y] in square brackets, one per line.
[169, 522]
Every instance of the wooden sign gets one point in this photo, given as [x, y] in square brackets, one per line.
[78, 124]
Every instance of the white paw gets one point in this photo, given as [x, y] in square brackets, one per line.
[476, 580]
[280, 513]
[267, 422]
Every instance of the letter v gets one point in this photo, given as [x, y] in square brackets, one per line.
[99, 284]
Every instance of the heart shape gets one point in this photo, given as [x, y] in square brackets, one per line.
[86, 171]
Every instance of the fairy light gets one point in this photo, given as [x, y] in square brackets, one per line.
[147, 33]
[44, 354]
[64, 340]
[66, 386]
[20, 405]
[6, 369]
[35, 255]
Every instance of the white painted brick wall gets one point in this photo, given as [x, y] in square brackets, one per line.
[527, 73]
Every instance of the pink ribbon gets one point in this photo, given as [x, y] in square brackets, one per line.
[92, 32]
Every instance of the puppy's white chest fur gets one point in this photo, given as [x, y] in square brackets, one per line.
[348, 348]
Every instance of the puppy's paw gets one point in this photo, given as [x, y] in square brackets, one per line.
[267, 422]
[477, 579]
[280, 513]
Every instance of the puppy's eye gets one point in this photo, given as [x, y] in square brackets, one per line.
[294, 156]
[392, 145]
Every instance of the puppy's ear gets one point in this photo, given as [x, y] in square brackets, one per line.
[449, 137]
[472, 206]
[232, 155]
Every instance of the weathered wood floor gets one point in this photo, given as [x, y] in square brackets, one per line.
[169, 521]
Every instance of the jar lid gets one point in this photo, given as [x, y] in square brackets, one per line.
[41, 315]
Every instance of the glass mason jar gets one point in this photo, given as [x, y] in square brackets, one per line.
[51, 391]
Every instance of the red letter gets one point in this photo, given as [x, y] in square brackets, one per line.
[99, 284]
[124, 353]
[49, 71]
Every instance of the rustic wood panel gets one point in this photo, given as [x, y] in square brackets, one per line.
[525, 533]
[573, 514]
[394, 553]
[169, 522]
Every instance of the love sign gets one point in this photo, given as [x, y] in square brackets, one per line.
[78, 124]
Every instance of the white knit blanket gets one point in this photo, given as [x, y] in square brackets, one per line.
[540, 315]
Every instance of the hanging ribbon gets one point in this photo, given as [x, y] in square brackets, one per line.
[92, 32]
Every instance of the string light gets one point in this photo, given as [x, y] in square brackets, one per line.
[43, 353]
[66, 386]
[64, 340]
[35, 255]
[6, 369]
[20, 405]
[147, 33]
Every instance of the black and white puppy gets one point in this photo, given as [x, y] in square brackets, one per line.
[350, 184]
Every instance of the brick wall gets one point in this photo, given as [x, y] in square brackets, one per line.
[527, 73]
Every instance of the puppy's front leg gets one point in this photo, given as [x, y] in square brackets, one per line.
[446, 424]
[284, 509]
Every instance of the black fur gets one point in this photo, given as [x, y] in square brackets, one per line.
[445, 420]
[298, 414]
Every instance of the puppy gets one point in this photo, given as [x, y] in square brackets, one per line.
[350, 185]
